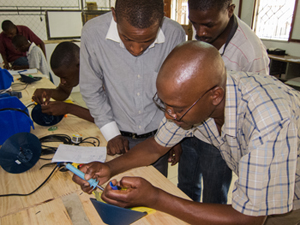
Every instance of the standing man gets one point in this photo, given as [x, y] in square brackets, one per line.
[121, 53]
[65, 64]
[8, 52]
[241, 50]
[254, 121]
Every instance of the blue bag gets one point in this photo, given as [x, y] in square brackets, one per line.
[5, 79]
[14, 118]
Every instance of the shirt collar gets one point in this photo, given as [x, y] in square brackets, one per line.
[113, 35]
[30, 48]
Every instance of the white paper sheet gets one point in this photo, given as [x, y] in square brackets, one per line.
[26, 71]
[79, 154]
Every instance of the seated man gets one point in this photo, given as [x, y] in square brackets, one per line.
[65, 64]
[254, 121]
[35, 56]
[8, 52]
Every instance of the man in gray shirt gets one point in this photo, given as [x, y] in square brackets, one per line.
[120, 56]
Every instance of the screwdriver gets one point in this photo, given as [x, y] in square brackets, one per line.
[93, 182]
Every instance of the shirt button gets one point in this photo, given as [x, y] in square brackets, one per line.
[140, 127]
[138, 94]
[140, 112]
[139, 76]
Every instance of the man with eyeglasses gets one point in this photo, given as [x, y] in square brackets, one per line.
[254, 121]
[215, 23]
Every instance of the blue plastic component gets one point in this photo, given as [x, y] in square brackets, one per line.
[114, 187]
[114, 215]
[5, 79]
[14, 118]
[93, 183]
[12, 102]
[5, 95]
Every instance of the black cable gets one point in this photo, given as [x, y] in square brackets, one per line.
[65, 139]
[15, 109]
[26, 85]
[83, 141]
[15, 194]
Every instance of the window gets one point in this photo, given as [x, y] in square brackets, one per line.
[273, 19]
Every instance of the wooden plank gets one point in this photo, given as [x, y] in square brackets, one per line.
[75, 210]
[50, 213]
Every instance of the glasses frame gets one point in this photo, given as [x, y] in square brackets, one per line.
[155, 99]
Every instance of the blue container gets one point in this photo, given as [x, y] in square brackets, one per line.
[5, 79]
[14, 118]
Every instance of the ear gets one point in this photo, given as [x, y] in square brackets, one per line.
[217, 96]
[114, 13]
[231, 8]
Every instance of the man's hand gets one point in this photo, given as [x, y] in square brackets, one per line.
[174, 154]
[6, 66]
[138, 192]
[117, 145]
[55, 108]
[95, 170]
[42, 96]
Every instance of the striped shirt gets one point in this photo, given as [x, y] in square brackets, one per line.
[259, 141]
[245, 51]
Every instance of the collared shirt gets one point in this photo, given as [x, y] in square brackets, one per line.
[245, 51]
[8, 49]
[259, 141]
[117, 86]
[36, 59]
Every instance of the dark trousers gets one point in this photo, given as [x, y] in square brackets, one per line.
[22, 61]
[202, 160]
[161, 164]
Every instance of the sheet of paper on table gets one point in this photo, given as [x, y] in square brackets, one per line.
[26, 71]
[79, 154]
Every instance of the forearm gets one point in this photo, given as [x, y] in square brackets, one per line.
[79, 112]
[202, 213]
[59, 95]
[142, 154]
[4, 58]
[42, 46]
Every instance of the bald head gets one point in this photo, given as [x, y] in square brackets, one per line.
[191, 68]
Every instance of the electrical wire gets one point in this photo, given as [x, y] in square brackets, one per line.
[17, 194]
[26, 85]
[50, 150]
[65, 139]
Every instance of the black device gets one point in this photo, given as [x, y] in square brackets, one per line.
[276, 51]
[27, 79]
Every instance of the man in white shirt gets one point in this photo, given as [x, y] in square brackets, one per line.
[35, 56]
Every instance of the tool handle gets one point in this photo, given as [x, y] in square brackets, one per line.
[93, 183]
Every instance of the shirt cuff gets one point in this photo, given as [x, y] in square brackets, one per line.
[110, 130]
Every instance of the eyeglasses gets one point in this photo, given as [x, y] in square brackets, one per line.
[162, 106]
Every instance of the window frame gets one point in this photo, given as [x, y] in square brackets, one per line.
[290, 39]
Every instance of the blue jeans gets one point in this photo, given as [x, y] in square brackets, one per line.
[22, 61]
[202, 160]
[161, 164]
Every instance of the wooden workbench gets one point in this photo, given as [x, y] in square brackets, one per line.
[47, 205]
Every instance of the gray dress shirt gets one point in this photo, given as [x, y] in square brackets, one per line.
[117, 86]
